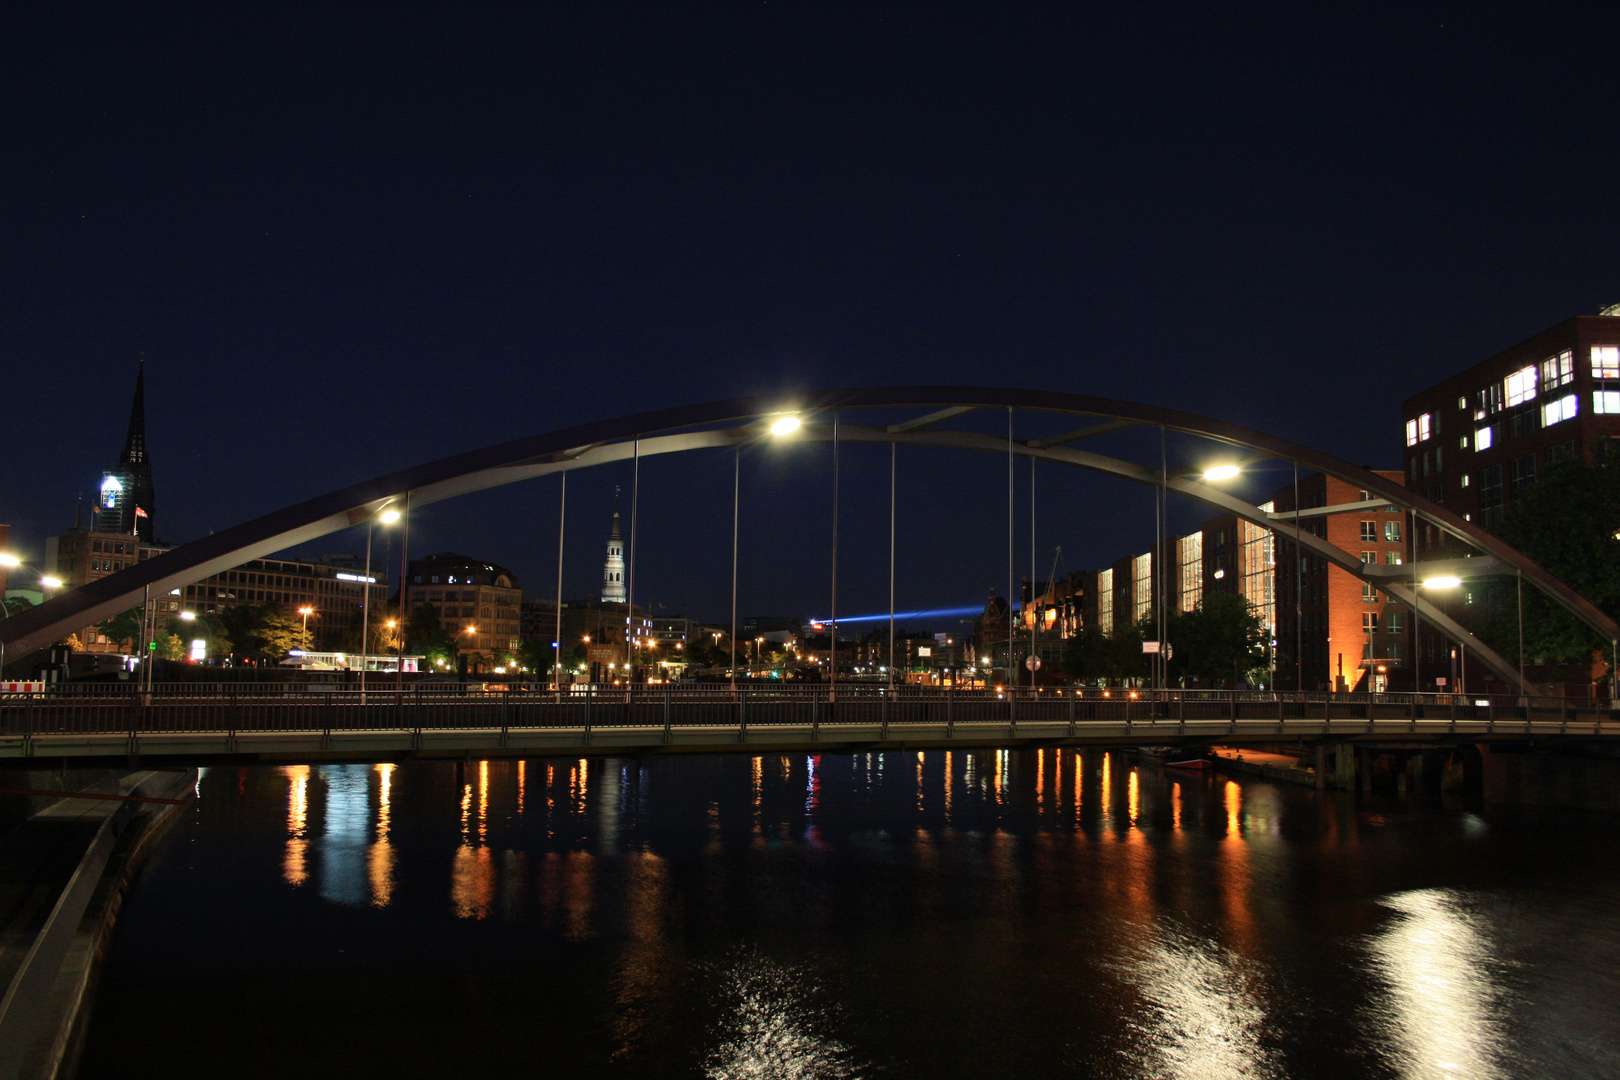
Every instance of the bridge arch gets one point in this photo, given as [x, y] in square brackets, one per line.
[739, 421]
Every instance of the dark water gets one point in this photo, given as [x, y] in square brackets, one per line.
[1040, 914]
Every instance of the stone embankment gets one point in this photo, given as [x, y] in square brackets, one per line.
[64, 872]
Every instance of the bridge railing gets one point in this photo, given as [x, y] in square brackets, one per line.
[110, 708]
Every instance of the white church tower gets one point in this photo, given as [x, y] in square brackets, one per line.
[613, 569]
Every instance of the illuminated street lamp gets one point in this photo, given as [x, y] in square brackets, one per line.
[387, 515]
[1451, 581]
[1218, 473]
[306, 611]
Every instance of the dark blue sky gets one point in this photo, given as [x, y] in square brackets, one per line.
[378, 234]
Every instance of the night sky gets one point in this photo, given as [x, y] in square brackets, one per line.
[359, 238]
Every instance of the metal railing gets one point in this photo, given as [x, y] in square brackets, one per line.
[116, 708]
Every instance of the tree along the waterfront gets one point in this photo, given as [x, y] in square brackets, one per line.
[426, 636]
[1224, 637]
[1569, 522]
[123, 628]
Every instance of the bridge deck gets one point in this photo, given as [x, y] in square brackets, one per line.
[280, 723]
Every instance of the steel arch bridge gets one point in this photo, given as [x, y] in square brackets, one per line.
[827, 417]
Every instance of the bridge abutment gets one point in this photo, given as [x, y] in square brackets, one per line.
[1589, 780]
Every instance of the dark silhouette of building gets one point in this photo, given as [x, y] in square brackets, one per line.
[125, 506]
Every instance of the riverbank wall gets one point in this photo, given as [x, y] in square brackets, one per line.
[45, 1009]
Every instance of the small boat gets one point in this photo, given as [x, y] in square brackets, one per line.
[1193, 763]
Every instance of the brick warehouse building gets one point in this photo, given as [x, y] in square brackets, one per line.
[1481, 437]
[1349, 635]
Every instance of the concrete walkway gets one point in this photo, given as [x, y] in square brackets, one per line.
[62, 878]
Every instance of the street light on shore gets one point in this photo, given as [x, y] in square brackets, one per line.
[387, 515]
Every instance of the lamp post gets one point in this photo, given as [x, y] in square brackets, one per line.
[193, 617]
[50, 584]
[306, 611]
[1447, 582]
[387, 515]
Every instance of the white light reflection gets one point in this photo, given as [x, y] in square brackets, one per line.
[1206, 1019]
[347, 834]
[774, 1027]
[1442, 1012]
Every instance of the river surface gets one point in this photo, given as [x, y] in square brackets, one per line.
[967, 914]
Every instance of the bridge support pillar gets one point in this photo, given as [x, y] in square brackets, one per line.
[1321, 767]
[1344, 767]
[1364, 770]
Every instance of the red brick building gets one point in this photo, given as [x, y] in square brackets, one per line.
[1476, 441]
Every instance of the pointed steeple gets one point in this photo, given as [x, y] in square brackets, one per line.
[125, 503]
[135, 441]
[613, 589]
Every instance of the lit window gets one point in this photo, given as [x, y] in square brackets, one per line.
[1369, 557]
[1606, 402]
[1411, 433]
[1392, 532]
[1521, 385]
[1392, 558]
[1564, 408]
[1606, 361]
[1465, 480]
[1462, 403]
[1558, 370]
[1482, 438]
[1425, 426]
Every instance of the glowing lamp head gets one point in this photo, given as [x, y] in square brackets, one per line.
[784, 425]
[51, 582]
[1444, 581]
[188, 615]
[1222, 472]
[388, 516]
[9, 560]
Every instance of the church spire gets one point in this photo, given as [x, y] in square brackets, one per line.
[613, 590]
[135, 441]
[125, 503]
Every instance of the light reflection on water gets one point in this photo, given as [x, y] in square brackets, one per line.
[774, 1025]
[1055, 912]
[1443, 1016]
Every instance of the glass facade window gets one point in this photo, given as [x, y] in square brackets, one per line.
[1482, 438]
[1606, 402]
[1105, 600]
[1521, 385]
[1606, 361]
[1558, 370]
[1559, 410]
